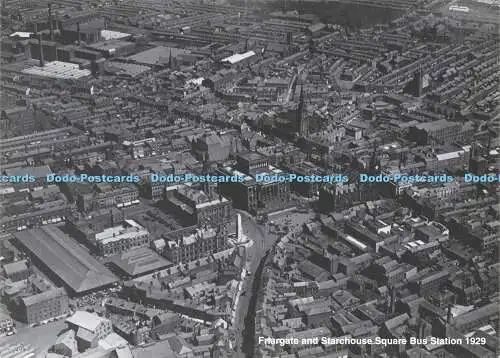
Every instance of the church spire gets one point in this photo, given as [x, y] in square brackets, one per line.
[303, 123]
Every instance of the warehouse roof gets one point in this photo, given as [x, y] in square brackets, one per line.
[238, 57]
[58, 69]
[66, 259]
[139, 261]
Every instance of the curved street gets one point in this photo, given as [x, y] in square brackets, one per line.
[263, 241]
[255, 253]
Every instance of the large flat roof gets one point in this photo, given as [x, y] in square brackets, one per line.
[157, 55]
[439, 124]
[66, 259]
[58, 69]
[110, 45]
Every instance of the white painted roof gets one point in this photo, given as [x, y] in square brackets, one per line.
[238, 57]
[111, 35]
[449, 155]
[459, 8]
[120, 232]
[22, 34]
[355, 242]
[58, 69]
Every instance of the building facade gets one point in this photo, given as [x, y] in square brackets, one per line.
[338, 197]
[44, 306]
[438, 132]
[253, 195]
[117, 239]
[195, 245]
[16, 271]
[89, 328]
[198, 207]
[6, 321]
[107, 198]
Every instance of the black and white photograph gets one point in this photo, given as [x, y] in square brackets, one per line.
[249, 179]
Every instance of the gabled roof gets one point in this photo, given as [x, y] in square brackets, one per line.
[66, 259]
[179, 346]
[86, 320]
[139, 260]
[86, 335]
[68, 340]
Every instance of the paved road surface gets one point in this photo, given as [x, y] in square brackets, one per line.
[263, 241]
[41, 338]
[258, 234]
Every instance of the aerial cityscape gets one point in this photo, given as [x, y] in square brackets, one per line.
[249, 178]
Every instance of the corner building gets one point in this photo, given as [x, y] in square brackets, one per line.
[190, 245]
[250, 195]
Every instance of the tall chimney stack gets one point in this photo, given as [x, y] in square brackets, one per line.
[78, 32]
[449, 316]
[42, 63]
[50, 23]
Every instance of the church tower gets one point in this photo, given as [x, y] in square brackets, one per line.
[374, 165]
[303, 123]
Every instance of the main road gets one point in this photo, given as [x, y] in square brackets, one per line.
[262, 242]
[255, 253]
